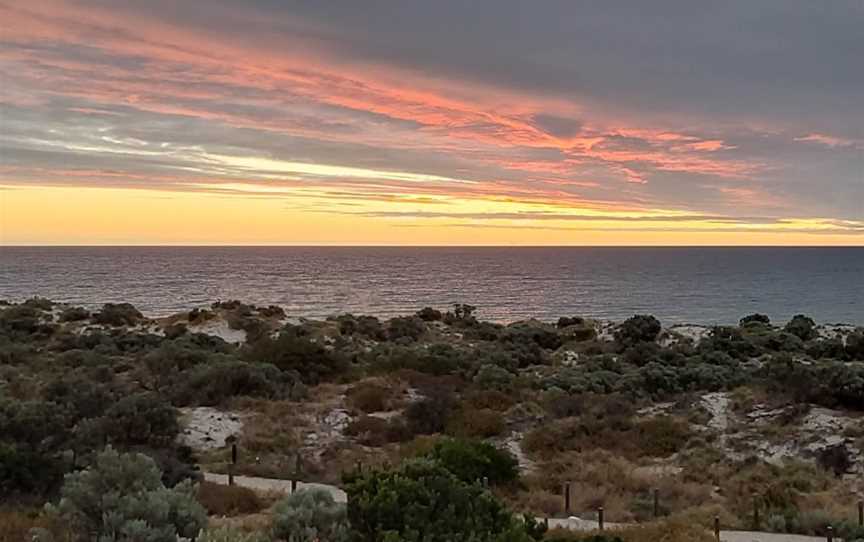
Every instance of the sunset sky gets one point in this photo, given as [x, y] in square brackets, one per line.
[434, 122]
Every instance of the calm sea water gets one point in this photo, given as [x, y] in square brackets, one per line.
[678, 285]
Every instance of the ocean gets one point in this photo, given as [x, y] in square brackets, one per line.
[678, 285]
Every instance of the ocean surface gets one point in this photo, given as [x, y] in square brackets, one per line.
[678, 285]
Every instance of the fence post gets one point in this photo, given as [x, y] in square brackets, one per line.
[755, 513]
[485, 481]
[234, 454]
[861, 513]
[567, 498]
[546, 522]
[717, 528]
[231, 474]
[293, 486]
[600, 517]
[830, 534]
[656, 503]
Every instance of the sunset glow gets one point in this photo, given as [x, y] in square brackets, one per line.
[147, 123]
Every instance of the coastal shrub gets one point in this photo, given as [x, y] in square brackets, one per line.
[24, 471]
[475, 460]
[428, 314]
[530, 332]
[836, 459]
[212, 385]
[802, 326]
[372, 431]
[755, 319]
[430, 414]
[142, 419]
[855, 346]
[121, 497]
[636, 329]
[366, 326]
[295, 353]
[422, 500]
[493, 377]
[310, 515]
[222, 500]
[476, 423]
[410, 328]
[74, 314]
[370, 397]
[116, 315]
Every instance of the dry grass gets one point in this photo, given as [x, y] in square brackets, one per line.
[664, 531]
[16, 523]
[222, 500]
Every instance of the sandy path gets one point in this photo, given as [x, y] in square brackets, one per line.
[572, 523]
[272, 484]
[739, 536]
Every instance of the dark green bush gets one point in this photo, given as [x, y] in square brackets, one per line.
[422, 500]
[636, 329]
[474, 460]
[295, 353]
[802, 326]
[119, 314]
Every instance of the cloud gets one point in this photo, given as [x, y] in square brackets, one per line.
[596, 107]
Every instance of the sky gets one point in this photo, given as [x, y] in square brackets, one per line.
[503, 122]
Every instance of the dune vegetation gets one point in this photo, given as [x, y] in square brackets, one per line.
[438, 426]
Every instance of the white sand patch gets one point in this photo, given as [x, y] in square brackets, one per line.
[835, 331]
[206, 428]
[693, 332]
[218, 327]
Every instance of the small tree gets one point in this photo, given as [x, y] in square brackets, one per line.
[472, 460]
[310, 515]
[755, 319]
[122, 498]
[802, 326]
[639, 328]
[423, 501]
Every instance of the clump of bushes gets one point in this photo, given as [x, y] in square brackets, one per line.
[474, 460]
[122, 497]
[422, 496]
[636, 329]
[117, 315]
[310, 515]
[222, 500]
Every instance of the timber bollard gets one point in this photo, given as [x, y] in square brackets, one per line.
[861, 513]
[656, 503]
[485, 481]
[231, 474]
[717, 528]
[546, 522]
[830, 537]
[600, 518]
[755, 514]
[234, 454]
[294, 486]
[567, 498]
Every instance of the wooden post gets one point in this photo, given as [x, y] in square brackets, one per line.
[234, 454]
[485, 481]
[830, 537]
[230, 474]
[861, 513]
[567, 498]
[755, 514]
[359, 467]
[546, 522]
[717, 528]
[294, 485]
[600, 517]
[656, 503]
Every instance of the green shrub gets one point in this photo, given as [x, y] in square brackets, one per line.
[212, 385]
[636, 329]
[473, 460]
[142, 419]
[408, 327]
[802, 326]
[229, 534]
[122, 498]
[292, 352]
[310, 515]
[74, 314]
[116, 315]
[422, 500]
